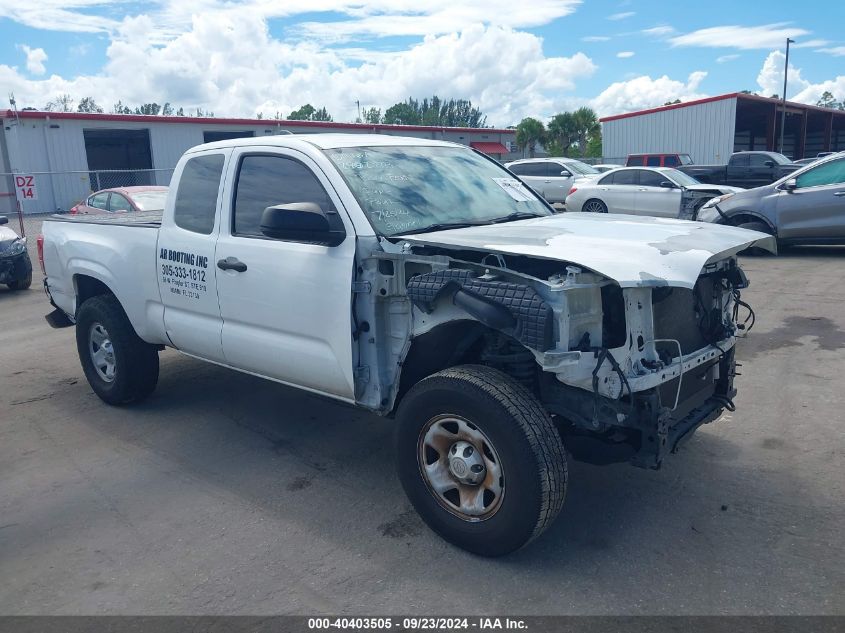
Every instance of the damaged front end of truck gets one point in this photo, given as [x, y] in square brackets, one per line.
[624, 328]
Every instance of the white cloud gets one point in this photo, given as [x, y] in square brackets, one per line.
[621, 16]
[625, 54]
[644, 92]
[229, 63]
[836, 51]
[770, 77]
[595, 38]
[35, 58]
[799, 89]
[743, 37]
[726, 58]
[658, 31]
[59, 15]
[810, 43]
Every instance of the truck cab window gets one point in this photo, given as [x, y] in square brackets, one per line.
[196, 198]
[266, 181]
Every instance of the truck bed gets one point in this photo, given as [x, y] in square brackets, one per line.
[149, 219]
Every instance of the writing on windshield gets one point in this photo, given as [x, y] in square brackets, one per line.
[409, 188]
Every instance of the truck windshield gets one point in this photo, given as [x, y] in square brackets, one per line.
[411, 189]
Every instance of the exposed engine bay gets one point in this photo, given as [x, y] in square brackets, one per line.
[628, 373]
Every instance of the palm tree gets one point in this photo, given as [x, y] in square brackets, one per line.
[586, 126]
[529, 132]
[562, 132]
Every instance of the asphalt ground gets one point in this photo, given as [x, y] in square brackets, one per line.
[227, 494]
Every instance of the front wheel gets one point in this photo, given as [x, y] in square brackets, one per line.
[120, 367]
[594, 206]
[480, 459]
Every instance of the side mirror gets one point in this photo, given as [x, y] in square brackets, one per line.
[790, 185]
[666, 184]
[300, 222]
[565, 173]
[769, 163]
[3, 220]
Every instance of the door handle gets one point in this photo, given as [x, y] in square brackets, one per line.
[547, 181]
[839, 194]
[231, 263]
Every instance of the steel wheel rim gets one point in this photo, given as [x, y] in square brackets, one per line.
[101, 351]
[594, 207]
[439, 464]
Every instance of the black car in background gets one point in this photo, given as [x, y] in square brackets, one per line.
[744, 169]
[15, 265]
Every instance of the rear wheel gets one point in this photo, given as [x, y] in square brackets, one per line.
[119, 366]
[594, 205]
[480, 459]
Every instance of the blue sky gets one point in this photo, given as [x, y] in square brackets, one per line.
[513, 59]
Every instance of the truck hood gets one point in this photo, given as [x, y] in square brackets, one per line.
[631, 250]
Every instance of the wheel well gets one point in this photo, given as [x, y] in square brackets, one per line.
[87, 287]
[463, 342]
[746, 216]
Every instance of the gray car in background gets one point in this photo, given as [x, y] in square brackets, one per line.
[805, 207]
[551, 178]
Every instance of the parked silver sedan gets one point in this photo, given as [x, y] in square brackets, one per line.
[639, 191]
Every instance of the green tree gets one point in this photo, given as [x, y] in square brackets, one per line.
[180, 112]
[309, 113]
[561, 134]
[372, 115]
[402, 113]
[89, 105]
[436, 112]
[62, 103]
[672, 102]
[148, 108]
[827, 100]
[529, 132]
[586, 126]
[167, 109]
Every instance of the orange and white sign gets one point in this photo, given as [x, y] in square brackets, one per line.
[25, 187]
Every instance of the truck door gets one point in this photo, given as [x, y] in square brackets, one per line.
[761, 170]
[186, 243]
[286, 305]
[816, 207]
[737, 171]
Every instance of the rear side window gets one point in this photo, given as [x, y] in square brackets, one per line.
[634, 161]
[99, 201]
[738, 160]
[832, 173]
[625, 177]
[653, 161]
[531, 169]
[267, 181]
[196, 198]
[671, 161]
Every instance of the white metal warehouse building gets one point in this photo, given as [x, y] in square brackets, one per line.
[71, 154]
[711, 129]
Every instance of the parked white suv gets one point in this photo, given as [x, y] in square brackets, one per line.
[552, 178]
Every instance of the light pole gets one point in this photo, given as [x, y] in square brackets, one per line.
[783, 96]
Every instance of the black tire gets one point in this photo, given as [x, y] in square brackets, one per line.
[760, 226]
[135, 363]
[529, 449]
[21, 284]
[601, 207]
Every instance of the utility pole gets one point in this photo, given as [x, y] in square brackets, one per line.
[783, 96]
[358, 103]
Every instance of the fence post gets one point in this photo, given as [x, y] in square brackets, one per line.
[97, 176]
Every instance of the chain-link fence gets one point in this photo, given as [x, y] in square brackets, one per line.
[57, 192]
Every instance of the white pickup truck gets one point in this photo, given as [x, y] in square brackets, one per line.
[420, 280]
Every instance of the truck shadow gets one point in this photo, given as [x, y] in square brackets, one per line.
[328, 468]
